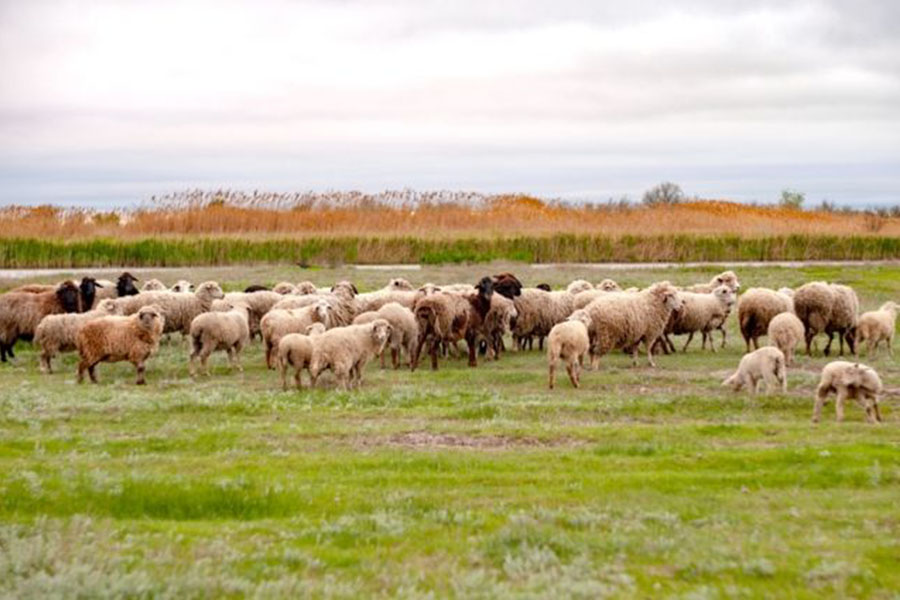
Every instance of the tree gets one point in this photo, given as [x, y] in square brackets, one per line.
[792, 199]
[664, 193]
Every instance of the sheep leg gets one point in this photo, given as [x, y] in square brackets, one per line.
[270, 350]
[434, 356]
[381, 358]
[282, 366]
[552, 373]
[839, 404]
[649, 354]
[414, 356]
[82, 367]
[865, 402]
[875, 410]
[139, 366]
[821, 400]
[297, 378]
[573, 376]
[473, 351]
[9, 349]
[232, 359]
[690, 337]
[46, 367]
[827, 350]
[809, 338]
[724, 334]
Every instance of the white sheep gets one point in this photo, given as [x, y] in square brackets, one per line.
[277, 323]
[570, 342]
[756, 308]
[153, 285]
[849, 380]
[260, 302]
[57, 333]
[703, 313]
[827, 308]
[134, 338]
[178, 309]
[227, 330]
[285, 288]
[785, 333]
[182, 286]
[578, 286]
[765, 364]
[295, 350]
[538, 311]
[726, 278]
[346, 350]
[404, 330]
[878, 326]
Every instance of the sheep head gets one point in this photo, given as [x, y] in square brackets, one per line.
[183, 287]
[304, 288]
[725, 295]
[608, 285]
[381, 333]
[323, 311]
[398, 283]
[544, 286]
[315, 329]
[210, 290]
[125, 285]
[581, 316]
[345, 290]
[68, 295]
[88, 289]
[667, 295]
[727, 278]
[284, 288]
[150, 318]
[507, 284]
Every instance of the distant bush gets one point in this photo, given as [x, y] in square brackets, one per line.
[792, 199]
[664, 193]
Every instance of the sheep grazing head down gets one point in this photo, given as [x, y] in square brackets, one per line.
[68, 295]
[125, 285]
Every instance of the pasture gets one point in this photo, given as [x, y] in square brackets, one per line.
[461, 482]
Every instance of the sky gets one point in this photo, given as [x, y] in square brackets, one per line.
[105, 104]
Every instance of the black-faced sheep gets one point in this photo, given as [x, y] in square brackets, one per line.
[849, 380]
[113, 339]
[21, 312]
[766, 364]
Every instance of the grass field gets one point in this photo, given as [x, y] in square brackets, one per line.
[464, 482]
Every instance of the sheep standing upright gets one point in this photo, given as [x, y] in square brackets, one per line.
[570, 342]
[404, 330]
[178, 309]
[765, 364]
[57, 333]
[849, 380]
[295, 350]
[21, 312]
[829, 309]
[624, 320]
[226, 330]
[703, 313]
[726, 278]
[785, 333]
[878, 326]
[756, 308]
[113, 339]
[123, 286]
[346, 350]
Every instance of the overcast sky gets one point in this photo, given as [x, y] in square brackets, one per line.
[107, 103]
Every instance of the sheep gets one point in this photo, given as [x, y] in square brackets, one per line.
[620, 320]
[544, 286]
[765, 364]
[260, 302]
[448, 317]
[608, 285]
[112, 339]
[578, 286]
[878, 326]
[123, 286]
[756, 308]
[225, 330]
[178, 310]
[153, 285]
[304, 288]
[21, 312]
[582, 299]
[849, 380]
[346, 350]
[569, 341]
[398, 283]
[538, 311]
[341, 297]
[87, 290]
[702, 313]
[296, 350]
[785, 332]
[182, 286]
[279, 322]
[727, 278]
[404, 330]
[284, 288]
[394, 292]
[507, 285]
[498, 321]
[827, 308]
[57, 333]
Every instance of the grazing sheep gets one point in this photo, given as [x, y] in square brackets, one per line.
[404, 330]
[295, 350]
[827, 308]
[702, 313]
[178, 310]
[372, 301]
[225, 330]
[183, 286]
[785, 332]
[620, 320]
[57, 333]
[498, 321]
[446, 318]
[346, 350]
[878, 326]
[727, 278]
[570, 342]
[21, 312]
[277, 323]
[756, 308]
[284, 288]
[849, 380]
[766, 364]
[578, 286]
[260, 302]
[538, 311]
[153, 285]
[124, 286]
[113, 339]
[398, 283]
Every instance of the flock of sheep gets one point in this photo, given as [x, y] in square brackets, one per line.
[339, 329]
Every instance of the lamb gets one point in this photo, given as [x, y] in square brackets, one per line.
[878, 326]
[133, 338]
[849, 380]
[178, 310]
[21, 312]
[260, 303]
[578, 286]
[153, 285]
[727, 278]
[538, 311]
[756, 308]
[124, 286]
[226, 330]
[57, 333]
[785, 332]
[346, 350]
[765, 364]
[570, 342]
[404, 330]
[620, 320]
[702, 313]
[827, 308]
[183, 286]
[296, 350]
[446, 318]
[277, 323]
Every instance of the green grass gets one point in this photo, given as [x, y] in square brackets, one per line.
[21, 253]
[465, 482]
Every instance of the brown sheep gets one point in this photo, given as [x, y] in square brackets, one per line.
[113, 339]
[21, 312]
